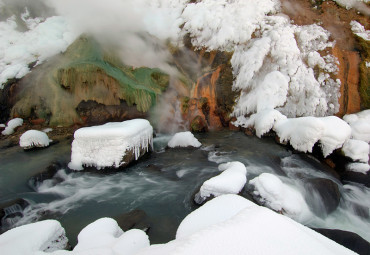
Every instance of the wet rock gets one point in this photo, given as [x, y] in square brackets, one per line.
[348, 176]
[48, 174]
[348, 239]
[326, 195]
[11, 212]
[134, 219]
[198, 125]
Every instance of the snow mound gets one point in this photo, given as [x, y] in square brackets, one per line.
[34, 138]
[12, 124]
[230, 181]
[335, 134]
[106, 145]
[357, 150]
[302, 133]
[42, 40]
[184, 139]
[47, 236]
[360, 124]
[252, 230]
[272, 192]
[105, 234]
[358, 167]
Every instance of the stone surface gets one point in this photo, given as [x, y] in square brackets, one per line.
[10, 212]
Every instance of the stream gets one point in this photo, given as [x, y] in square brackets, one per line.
[163, 183]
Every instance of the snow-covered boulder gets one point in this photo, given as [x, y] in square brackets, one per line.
[357, 150]
[45, 236]
[12, 124]
[34, 138]
[358, 167]
[230, 181]
[113, 144]
[231, 226]
[360, 124]
[184, 139]
[106, 236]
[270, 191]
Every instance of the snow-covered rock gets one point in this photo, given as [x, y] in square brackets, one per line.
[358, 167]
[184, 139]
[359, 30]
[270, 191]
[360, 124]
[113, 144]
[231, 226]
[46, 236]
[357, 150]
[34, 138]
[230, 181]
[12, 124]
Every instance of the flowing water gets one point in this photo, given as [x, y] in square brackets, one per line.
[163, 184]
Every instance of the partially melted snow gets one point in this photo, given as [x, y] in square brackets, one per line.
[105, 145]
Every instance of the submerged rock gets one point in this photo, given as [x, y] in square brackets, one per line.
[134, 219]
[326, 195]
[48, 174]
[11, 212]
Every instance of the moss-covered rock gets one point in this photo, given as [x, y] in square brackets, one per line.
[86, 72]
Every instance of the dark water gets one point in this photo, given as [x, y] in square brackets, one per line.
[161, 184]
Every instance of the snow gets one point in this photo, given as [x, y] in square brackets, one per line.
[34, 138]
[252, 230]
[335, 134]
[357, 150]
[131, 242]
[273, 193]
[359, 30]
[12, 124]
[42, 40]
[2, 125]
[47, 130]
[230, 181]
[348, 4]
[358, 167]
[205, 215]
[360, 124]
[302, 133]
[106, 145]
[184, 139]
[47, 235]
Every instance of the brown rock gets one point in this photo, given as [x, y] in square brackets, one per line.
[198, 124]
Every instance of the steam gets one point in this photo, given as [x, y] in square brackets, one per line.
[136, 29]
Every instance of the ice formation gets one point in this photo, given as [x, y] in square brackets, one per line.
[230, 181]
[357, 150]
[12, 124]
[243, 228]
[360, 124]
[106, 145]
[184, 139]
[281, 197]
[34, 138]
[43, 39]
[46, 236]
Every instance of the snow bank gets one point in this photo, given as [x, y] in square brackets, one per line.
[106, 145]
[42, 40]
[12, 124]
[358, 167]
[357, 150]
[230, 181]
[47, 236]
[184, 139]
[34, 138]
[252, 230]
[360, 124]
[272, 192]
[359, 30]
